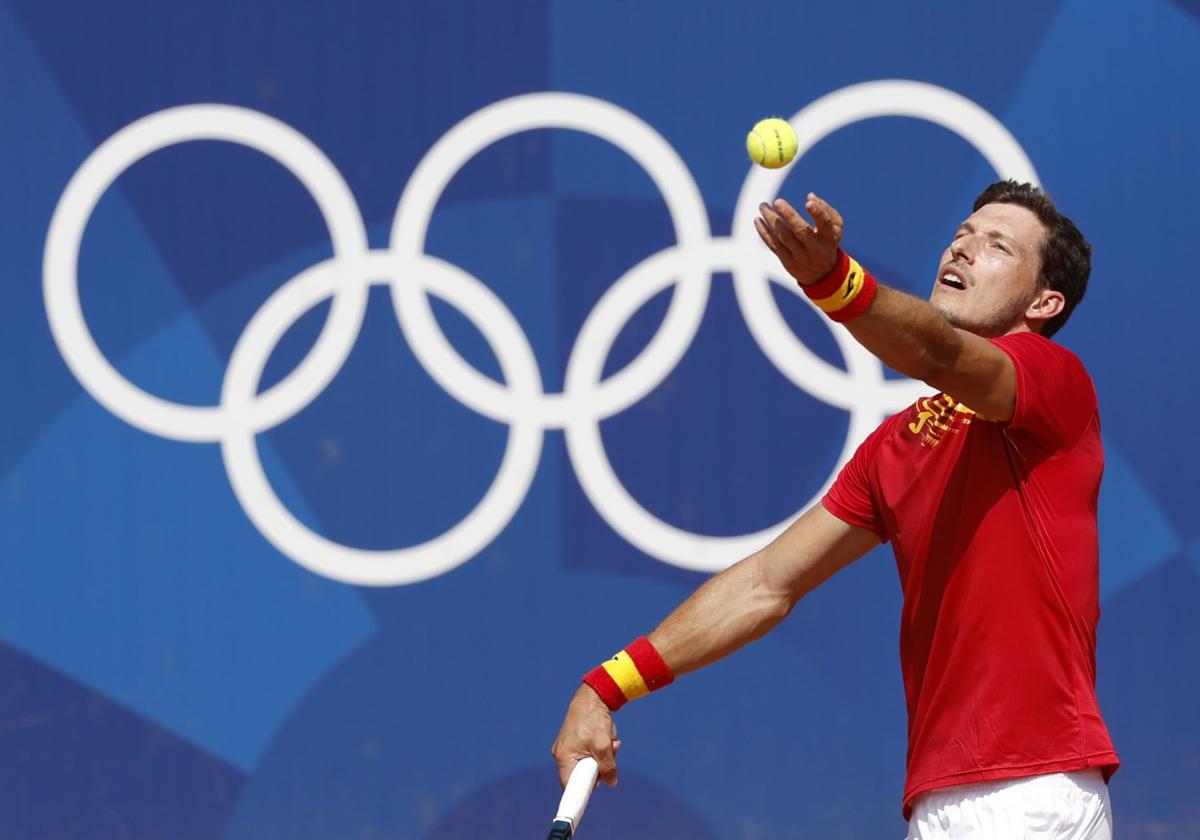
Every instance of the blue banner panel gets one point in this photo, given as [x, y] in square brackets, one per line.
[375, 369]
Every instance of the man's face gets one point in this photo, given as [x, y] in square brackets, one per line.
[989, 274]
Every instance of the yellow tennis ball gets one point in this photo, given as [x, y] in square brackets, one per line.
[771, 143]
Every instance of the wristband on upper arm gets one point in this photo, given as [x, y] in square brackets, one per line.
[845, 292]
[632, 673]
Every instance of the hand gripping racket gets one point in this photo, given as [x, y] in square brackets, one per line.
[574, 799]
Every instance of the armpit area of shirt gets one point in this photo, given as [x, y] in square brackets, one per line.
[851, 518]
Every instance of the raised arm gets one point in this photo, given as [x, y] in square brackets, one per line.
[907, 334]
[731, 609]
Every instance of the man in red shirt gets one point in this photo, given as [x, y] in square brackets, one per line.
[987, 492]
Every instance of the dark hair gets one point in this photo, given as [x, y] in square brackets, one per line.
[1066, 255]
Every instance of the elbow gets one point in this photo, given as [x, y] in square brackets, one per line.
[779, 606]
[770, 611]
[773, 599]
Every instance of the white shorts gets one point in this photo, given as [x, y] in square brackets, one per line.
[1057, 806]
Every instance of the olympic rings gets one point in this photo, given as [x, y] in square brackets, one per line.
[520, 400]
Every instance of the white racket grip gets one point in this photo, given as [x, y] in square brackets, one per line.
[579, 788]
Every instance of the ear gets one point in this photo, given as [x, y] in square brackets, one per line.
[1044, 306]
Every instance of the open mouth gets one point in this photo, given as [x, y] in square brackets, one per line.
[953, 280]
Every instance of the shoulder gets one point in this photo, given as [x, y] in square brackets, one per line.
[893, 423]
[1055, 396]
[1029, 347]
[867, 448]
[1045, 365]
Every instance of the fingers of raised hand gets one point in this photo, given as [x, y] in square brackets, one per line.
[791, 264]
[829, 221]
[768, 238]
[808, 253]
[796, 223]
[788, 236]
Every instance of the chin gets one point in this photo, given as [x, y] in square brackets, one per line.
[982, 328]
[949, 314]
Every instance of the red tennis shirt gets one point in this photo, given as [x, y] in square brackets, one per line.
[994, 530]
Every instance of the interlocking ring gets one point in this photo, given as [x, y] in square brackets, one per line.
[520, 399]
[60, 281]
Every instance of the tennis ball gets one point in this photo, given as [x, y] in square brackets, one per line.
[771, 143]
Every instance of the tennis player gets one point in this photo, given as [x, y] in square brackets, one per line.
[987, 493]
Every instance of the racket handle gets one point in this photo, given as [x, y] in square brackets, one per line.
[575, 798]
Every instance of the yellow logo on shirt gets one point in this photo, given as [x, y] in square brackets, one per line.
[938, 416]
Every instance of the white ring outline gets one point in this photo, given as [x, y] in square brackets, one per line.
[679, 547]
[60, 279]
[264, 507]
[631, 135]
[521, 401]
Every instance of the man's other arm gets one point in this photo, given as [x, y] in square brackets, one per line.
[731, 609]
[752, 596]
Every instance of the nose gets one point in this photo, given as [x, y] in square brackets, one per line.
[961, 249]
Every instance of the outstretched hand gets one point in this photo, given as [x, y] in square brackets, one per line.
[807, 252]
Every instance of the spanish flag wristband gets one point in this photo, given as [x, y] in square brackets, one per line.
[632, 673]
[845, 292]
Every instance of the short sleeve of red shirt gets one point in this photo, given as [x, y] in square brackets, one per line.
[1055, 397]
[850, 498]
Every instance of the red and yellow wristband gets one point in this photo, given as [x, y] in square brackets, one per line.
[632, 673]
[845, 292]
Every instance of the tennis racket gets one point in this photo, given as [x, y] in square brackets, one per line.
[574, 799]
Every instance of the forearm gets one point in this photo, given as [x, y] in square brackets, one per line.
[911, 336]
[907, 334]
[728, 611]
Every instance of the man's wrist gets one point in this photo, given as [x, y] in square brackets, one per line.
[845, 292]
[832, 281]
[634, 672]
[588, 696]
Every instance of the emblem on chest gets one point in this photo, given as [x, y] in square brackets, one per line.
[939, 416]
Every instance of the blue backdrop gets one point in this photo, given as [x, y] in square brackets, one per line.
[356, 604]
